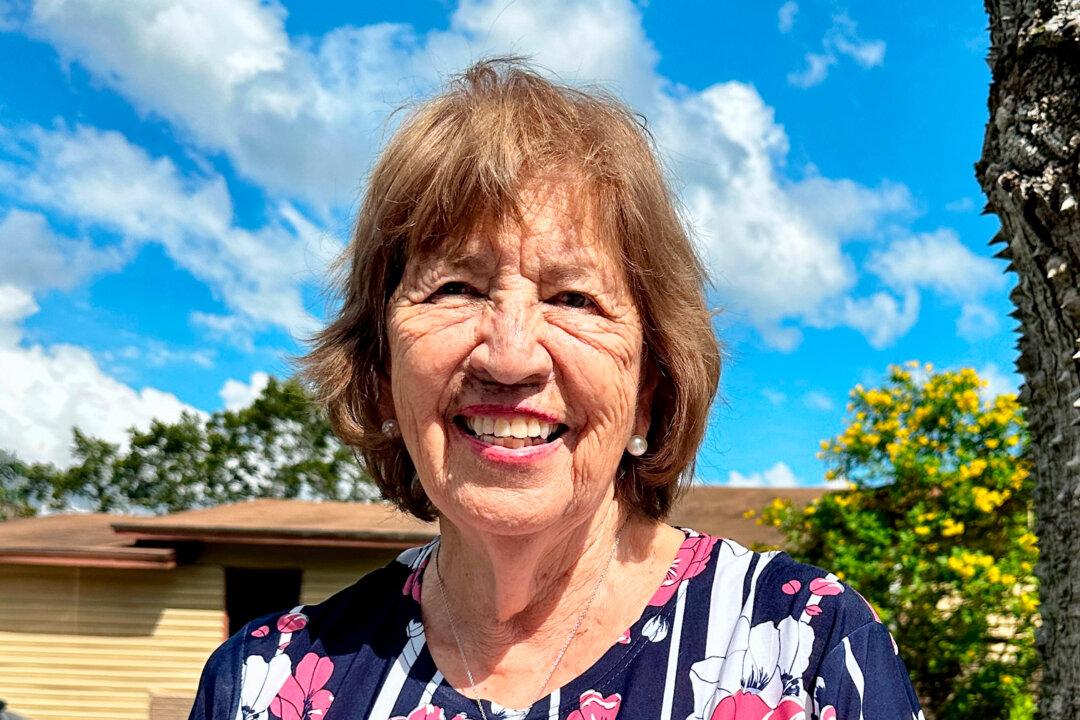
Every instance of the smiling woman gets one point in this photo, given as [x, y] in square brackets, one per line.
[525, 353]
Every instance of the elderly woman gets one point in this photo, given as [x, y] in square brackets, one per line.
[525, 353]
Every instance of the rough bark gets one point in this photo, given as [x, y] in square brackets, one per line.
[1029, 172]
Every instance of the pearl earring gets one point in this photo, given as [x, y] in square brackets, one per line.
[390, 427]
[637, 445]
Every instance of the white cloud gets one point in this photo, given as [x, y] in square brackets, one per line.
[36, 258]
[45, 391]
[778, 476]
[237, 394]
[880, 317]
[785, 16]
[101, 180]
[936, 260]
[774, 246]
[302, 117]
[961, 205]
[976, 322]
[817, 400]
[775, 397]
[815, 72]
[841, 39]
[998, 382]
[844, 38]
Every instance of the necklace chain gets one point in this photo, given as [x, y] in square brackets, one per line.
[566, 645]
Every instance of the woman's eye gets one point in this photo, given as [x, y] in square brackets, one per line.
[454, 288]
[574, 299]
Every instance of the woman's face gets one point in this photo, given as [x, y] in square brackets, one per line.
[515, 370]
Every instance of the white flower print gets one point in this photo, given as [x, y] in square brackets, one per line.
[260, 681]
[767, 660]
[656, 629]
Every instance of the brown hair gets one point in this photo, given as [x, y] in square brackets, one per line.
[461, 159]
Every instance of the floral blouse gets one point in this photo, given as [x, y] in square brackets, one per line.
[730, 634]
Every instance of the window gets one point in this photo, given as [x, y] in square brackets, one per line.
[254, 592]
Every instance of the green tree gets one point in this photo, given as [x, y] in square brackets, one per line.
[279, 446]
[935, 528]
[23, 488]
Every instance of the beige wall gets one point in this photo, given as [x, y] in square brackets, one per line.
[87, 643]
[93, 644]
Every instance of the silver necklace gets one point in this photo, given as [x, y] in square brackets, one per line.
[566, 645]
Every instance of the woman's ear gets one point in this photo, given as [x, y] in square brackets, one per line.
[646, 388]
[385, 402]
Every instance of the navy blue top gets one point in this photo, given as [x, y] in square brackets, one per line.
[730, 634]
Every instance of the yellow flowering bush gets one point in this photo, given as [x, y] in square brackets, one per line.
[934, 527]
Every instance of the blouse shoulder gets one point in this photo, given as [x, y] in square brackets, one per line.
[253, 668]
[852, 665]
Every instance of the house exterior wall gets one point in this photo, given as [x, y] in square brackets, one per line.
[93, 644]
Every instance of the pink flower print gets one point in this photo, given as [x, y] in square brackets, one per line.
[428, 712]
[624, 639]
[261, 631]
[303, 697]
[789, 709]
[412, 583]
[594, 706]
[827, 713]
[791, 587]
[813, 610]
[750, 706]
[292, 622]
[691, 559]
[742, 706]
[826, 586]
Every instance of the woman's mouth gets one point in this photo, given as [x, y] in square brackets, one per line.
[510, 431]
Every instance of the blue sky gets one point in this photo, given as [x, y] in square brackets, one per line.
[175, 175]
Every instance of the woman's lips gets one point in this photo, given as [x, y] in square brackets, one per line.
[507, 448]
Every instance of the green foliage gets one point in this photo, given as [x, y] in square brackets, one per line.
[934, 527]
[279, 446]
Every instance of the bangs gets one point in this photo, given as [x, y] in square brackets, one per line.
[462, 163]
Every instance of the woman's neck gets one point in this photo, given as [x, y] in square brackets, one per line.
[513, 602]
[503, 589]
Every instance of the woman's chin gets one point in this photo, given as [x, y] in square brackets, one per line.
[507, 509]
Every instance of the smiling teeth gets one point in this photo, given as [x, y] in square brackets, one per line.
[507, 427]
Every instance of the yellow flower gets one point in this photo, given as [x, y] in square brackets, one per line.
[749, 514]
[950, 527]
[1027, 541]
[988, 500]
[994, 574]
[1007, 679]
[992, 443]
[1029, 602]
[1008, 579]
[922, 530]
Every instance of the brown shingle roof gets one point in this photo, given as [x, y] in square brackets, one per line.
[83, 540]
[109, 540]
[303, 522]
[718, 510]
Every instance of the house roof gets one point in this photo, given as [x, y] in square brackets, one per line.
[82, 540]
[302, 522]
[99, 540]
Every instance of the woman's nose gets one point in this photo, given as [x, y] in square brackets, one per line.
[510, 351]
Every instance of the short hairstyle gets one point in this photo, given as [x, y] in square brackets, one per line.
[461, 159]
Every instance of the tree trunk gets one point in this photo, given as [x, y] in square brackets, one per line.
[1029, 172]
